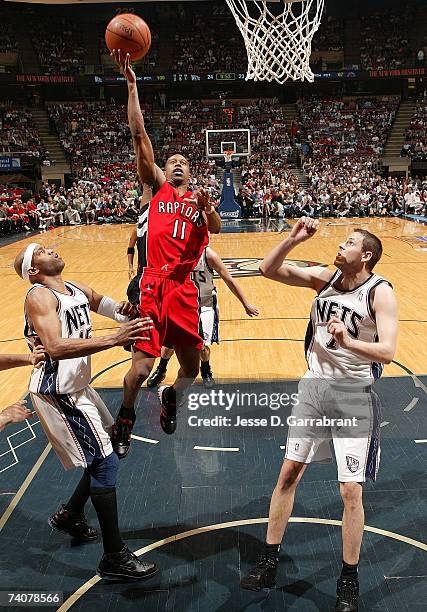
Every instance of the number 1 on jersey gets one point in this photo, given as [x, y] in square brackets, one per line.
[176, 229]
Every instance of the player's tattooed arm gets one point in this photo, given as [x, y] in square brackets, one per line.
[216, 263]
[275, 268]
[147, 169]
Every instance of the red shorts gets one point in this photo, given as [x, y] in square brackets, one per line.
[173, 305]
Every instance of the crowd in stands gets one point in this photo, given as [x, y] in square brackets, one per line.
[352, 187]
[18, 134]
[357, 126]
[185, 125]
[86, 202]
[94, 135]
[8, 43]
[330, 35]
[208, 45]
[342, 141]
[336, 187]
[385, 37]
[270, 136]
[59, 47]
[415, 145]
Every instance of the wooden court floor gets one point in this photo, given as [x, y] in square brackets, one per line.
[269, 347]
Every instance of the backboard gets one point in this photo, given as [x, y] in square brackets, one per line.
[220, 141]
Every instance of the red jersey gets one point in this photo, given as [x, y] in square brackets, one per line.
[176, 233]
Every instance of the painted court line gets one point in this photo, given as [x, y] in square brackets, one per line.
[148, 440]
[418, 383]
[402, 577]
[414, 401]
[217, 448]
[254, 521]
[16, 499]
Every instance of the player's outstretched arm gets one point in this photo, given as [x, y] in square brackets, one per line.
[216, 263]
[14, 414]
[106, 306]
[7, 362]
[274, 267]
[386, 317]
[131, 253]
[148, 172]
[41, 307]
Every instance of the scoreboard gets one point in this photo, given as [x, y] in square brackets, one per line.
[226, 116]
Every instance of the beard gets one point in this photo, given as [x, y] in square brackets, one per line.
[56, 267]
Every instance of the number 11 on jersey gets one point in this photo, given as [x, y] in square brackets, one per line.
[176, 231]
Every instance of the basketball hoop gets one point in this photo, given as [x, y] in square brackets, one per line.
[278, 46]
[228, 156]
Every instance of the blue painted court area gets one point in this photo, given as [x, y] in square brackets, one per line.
[168, 492]
[417, 218]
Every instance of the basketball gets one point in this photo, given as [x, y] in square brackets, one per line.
[129, 33]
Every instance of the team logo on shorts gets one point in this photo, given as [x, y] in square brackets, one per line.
[352, 464]
[250, 266]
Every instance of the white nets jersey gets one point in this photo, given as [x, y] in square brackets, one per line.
[324, 357]
[203, 277]
[66, 375]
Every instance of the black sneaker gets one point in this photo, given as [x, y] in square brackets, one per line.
[207, 378]
[120, 436]
[168, 412]
[262, 576]
[157, 377]
[347, 595]
[74, 524]
[125, 564]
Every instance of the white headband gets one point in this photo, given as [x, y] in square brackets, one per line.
[27, 262]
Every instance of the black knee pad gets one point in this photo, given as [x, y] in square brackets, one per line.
[103, 472]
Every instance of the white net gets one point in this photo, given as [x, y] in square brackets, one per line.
[278, 45]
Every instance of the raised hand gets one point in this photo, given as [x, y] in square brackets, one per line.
[304, 229]
[202, 199]
[123, 62]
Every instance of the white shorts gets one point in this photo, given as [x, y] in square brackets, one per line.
[209, 323]
[78, 426]
[357, 448]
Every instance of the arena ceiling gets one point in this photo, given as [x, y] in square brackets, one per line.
[103, 1]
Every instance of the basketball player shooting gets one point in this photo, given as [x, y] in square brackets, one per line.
[178, 227]
[352, 332]
[73, 416]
